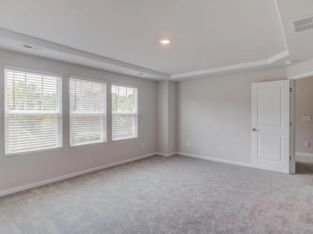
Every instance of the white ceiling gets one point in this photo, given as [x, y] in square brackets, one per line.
[300, 45]
[208, 37]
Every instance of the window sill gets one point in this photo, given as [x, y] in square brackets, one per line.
[31, 152]
[94, 143]
[123, 139]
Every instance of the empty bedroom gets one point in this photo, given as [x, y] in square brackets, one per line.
[156, 117]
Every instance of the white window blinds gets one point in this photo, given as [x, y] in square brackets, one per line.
[124, 112]
[33, 111]
[87, 111]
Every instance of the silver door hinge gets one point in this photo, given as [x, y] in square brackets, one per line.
[290, 90]
[290, 158]
[290, 124]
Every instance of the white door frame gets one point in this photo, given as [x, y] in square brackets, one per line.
[292, 139]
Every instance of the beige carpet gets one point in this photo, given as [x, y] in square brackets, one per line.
[167, 195]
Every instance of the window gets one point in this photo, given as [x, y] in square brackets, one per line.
[33, 111]
[124, 112]
[87, 111]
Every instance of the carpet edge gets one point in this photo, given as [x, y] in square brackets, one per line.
[216, 159]
[68, 176]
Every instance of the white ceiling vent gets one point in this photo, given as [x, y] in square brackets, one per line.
[30, 47]
[302, 24]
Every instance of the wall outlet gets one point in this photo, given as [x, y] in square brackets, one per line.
[307, 118]
[143, 146]
[222, 148]
[307, 144]
[188, 144]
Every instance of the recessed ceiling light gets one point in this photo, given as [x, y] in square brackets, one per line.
[142, 74]
[165, 41]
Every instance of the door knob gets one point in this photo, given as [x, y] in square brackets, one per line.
[254, 130]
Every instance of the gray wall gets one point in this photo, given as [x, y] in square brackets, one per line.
[26, 169]
[304, 107]
[166, 117]
[216, 112]
[172, 134]
[162, 116]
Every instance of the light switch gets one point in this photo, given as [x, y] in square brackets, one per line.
[307, 118]
[307, 144]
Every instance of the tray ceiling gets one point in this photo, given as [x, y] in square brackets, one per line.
[207, 36]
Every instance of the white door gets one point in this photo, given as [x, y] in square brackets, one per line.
[271, 126]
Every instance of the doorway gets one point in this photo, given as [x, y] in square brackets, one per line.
[304, 125]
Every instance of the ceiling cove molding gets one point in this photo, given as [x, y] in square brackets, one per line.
[67, 50]
[278, 57]
[232, 67]
[281, 24]
[218, 69]
[300, 76]
[300, 70]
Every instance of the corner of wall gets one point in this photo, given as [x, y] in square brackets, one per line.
[166, 113]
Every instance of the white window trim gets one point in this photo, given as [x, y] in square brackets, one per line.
[88, 79]
[124, 139]
[32, 152]
[32, 71]
[93, 113]
[126, 85]
[137, 105]
[8, 112]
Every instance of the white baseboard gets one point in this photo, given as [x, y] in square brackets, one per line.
[216, 159]
[45, 182]
[166, 155]
[49, 181]
[304, 154]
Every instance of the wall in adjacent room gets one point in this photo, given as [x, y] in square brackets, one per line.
[304, 107]
[216, 112]
[31, 168]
